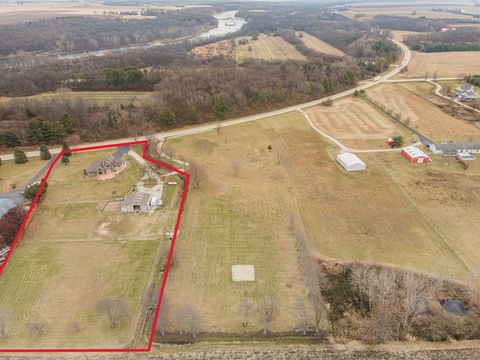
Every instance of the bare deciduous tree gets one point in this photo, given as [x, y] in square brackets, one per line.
[300, 312]
[245, 310]
[197, 174]
[5, 320]
[191, 320]
[267, 310]
[37, 327]
[75, 327]
[73, 140]
[114, 309]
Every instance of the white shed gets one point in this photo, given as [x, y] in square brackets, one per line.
[351, 162]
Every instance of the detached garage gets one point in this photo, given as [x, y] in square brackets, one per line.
[415, 155]
[351, 162]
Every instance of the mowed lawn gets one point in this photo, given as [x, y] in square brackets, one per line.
[16, 175]
[244, 220]
[73, 255]
[268, 48]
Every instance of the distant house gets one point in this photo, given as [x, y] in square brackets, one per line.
[415, 155]
[351, 162]
[138, 202]
[466, 92]
[453, 148]
[104, 166]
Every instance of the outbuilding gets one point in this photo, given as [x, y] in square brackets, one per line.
[138, 202]
[351, 162]
[415, 155]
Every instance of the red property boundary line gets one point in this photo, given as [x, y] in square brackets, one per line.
[167, 267]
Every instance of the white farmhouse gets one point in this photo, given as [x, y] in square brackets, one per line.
[351, 162]
[466, 92]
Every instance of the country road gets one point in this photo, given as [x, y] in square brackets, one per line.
[213, 126]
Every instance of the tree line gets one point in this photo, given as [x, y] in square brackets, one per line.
[461, 39]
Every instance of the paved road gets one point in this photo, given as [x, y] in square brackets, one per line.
[421, 79]
[16, 195]
[246, 119]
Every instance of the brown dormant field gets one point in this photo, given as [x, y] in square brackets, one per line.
[355, 123]
[269, 48]
[16, 175]
[445, 64]
[369, 11]
[423, 115]
[318, 45]
[242, 218]
[21, 12]
[225, 48]
[72, 255]
[448, 196]
[99, 98]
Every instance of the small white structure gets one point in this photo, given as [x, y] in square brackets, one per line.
[466, 92]
[243, 273]
[351, 162]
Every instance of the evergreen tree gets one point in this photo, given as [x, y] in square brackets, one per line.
[66, 147]
[66, 124]
[167, 117]
[192, 113]
[20, 156]
[41, 130]
[9, 139]
[45, 153]
[65, 160]
[220, 107]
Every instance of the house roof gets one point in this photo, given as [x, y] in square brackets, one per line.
[465, 87]
[106, 163]
[456, 146]
[349, 159]
[137, 199]
[415, 152]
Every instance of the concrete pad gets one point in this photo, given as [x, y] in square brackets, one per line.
[243, 273]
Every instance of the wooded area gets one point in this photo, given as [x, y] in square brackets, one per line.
[461, 39]
[82, 33]
[188, 90]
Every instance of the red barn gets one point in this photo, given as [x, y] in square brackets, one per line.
[415, 155]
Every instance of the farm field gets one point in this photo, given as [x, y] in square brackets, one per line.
[225, 48]
[16, 175]
[448, 196]
[356, 124]
[14, 12]
[427, 91]
[268, 48]
[318, 45]
[93, 97]
[422, 115]
[73, 255]
[299, 175]
[443, 64]
[369, 11]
